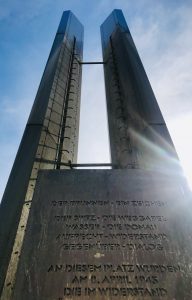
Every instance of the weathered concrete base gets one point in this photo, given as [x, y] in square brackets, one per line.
[107, 234]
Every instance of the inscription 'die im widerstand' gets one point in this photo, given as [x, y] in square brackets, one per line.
[116, 235]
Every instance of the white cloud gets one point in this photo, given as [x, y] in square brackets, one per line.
[93, 139]
[165, 47]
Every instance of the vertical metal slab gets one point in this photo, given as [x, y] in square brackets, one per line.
[50, 137]
[138, 134]
[107, 234]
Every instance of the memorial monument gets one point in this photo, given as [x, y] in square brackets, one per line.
[123, 233]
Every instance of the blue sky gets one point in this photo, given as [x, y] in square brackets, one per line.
[162, 31]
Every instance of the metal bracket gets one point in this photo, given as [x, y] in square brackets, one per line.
[71, 165]
[92, 62]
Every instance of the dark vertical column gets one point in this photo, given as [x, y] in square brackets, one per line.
[46, 142]
[138, 134]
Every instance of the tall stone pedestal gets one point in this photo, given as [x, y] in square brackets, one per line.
[107, 234]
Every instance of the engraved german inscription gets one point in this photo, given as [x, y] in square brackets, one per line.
[109, 238]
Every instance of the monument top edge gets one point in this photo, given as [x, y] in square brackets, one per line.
[124, 172]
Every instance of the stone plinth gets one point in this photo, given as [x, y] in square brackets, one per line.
[107, 234]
